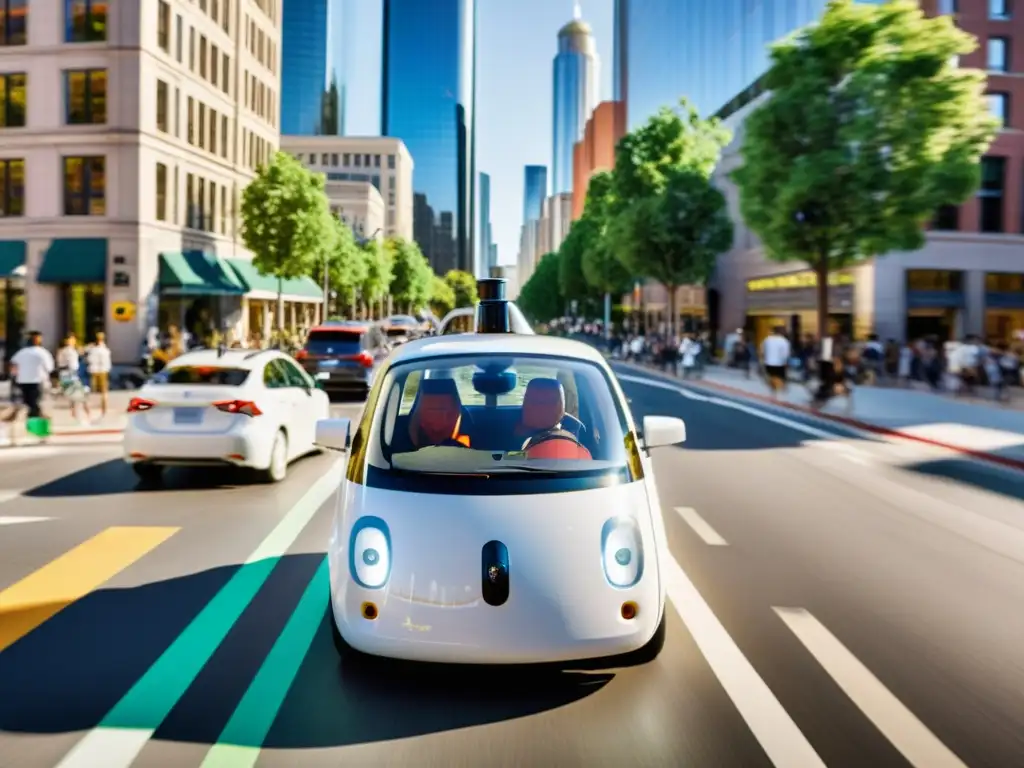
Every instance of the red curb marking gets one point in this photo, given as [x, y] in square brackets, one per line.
[994, 458]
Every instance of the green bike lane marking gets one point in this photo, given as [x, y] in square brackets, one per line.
[123, 733]
[240, 742]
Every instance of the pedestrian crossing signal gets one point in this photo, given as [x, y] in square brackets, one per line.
[124, 311]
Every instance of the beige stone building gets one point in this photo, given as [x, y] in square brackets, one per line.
[359, 205]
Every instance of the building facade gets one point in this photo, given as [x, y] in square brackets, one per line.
[127, 142]
[535, 189]
[313, 71]
[359, 204]
[596, 152]
[428, 101]
[575, 91]
[380, 161]
[968, 277]
[484, 236]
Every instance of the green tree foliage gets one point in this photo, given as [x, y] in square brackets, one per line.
[378, 274]
[287, 222]
[540, 298]
[463, 285]
[870, 127]
[603, 272]
[411, 275]
[442, 297]
[571, 283]
[668, 221]
[346, 266]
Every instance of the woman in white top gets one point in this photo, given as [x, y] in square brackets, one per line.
[71, 386]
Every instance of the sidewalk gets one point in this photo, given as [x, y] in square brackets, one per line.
[62, 422]
[986, 431]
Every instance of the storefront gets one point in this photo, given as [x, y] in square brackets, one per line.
[791, 301]
[200, 294]
[12, 299]
[77, 267]
[1004, 306]
[936, 302]
[302, 299]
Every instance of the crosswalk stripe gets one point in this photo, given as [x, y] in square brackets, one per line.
[44, 593]
[900, 726]
[13, 520]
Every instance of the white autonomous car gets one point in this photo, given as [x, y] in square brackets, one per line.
[499, 508]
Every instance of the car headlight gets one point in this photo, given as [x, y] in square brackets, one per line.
[622, 551]
[369, 553]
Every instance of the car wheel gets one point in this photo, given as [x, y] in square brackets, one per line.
[652, 649]
[278, 468]
[151, 474]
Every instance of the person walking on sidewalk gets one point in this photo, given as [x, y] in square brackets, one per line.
[31, 368]
[775, 354]
[99, 364]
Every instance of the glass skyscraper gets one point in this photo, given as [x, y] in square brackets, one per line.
[428, 101]
[709, 52]
[575, 91]
[313, 50]
[535, 189]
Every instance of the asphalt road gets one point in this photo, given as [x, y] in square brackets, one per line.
[837, 600]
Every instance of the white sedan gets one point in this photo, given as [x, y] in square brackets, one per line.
[499, 508]
[240, 408]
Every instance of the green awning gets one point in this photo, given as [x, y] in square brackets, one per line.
[296, 288]
[196, 273]
[12, 256]
[75, 260]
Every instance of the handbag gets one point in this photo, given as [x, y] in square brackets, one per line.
[38, 427]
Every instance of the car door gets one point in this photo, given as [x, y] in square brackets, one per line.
[309, 402]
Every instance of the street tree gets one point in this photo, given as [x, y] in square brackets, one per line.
[286, 222]
[442, 297]
[378, 276]
[411, 274]
[572, 285]
[540, 298]
[463, 285]
[604, 273]
[346, 267]
[870, 128]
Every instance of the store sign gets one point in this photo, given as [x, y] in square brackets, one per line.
[123, 311]
[808, 279]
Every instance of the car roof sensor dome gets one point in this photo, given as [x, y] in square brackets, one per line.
[492, 313]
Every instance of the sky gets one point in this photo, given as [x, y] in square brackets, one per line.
[516, 43]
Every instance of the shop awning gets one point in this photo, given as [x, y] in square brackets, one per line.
[75, 260]
[297, 289]
[12, 256]
[196, 273]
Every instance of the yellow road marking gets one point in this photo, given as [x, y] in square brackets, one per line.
[70, 577]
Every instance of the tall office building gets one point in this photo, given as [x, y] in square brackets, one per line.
[313, 72]
[428, 101]
[576, 86]
[484, 233]
[535, 190]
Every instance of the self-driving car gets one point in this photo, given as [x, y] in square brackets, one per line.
[499, 506]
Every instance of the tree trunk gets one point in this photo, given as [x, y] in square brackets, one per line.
[673, 314]
[821, 270]
[280, 303]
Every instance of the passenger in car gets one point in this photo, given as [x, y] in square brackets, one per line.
[436, 415]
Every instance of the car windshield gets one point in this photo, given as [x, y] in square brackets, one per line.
[489, 416]
[200, 374]
[394, 331]
[334, 342]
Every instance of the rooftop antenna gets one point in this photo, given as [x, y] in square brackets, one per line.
[577, 12]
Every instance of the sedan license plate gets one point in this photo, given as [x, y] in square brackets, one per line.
[323, 375]
[329, 364]
[188, 415]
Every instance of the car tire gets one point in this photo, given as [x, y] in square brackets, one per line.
[652, 649]
[150, 474]
[277, 470]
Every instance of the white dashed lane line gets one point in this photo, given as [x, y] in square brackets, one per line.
[701, 527]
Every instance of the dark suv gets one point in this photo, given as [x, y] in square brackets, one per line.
[344, 358]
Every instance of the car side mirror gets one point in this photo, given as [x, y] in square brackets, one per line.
[333, 434]
[661, 431]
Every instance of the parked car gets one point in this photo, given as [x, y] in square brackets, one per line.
[344, 358]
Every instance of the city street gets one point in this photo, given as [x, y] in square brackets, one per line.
[836, 600]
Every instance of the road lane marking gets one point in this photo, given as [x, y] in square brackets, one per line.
[13, 520]
[45, 592]
[701, 527]
[123, 733]
[241, 741]
[6, 496]
[910, 736]
[774, 729]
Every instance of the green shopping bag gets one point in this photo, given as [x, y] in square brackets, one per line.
[38, 427]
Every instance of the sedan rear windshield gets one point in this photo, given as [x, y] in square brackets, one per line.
[334, 343]
[198, 374]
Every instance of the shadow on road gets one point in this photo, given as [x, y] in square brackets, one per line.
[68, 673]
[1004, 482]
[115, 476]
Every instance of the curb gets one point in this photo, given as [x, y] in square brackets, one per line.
[85, 432]
[993, 458]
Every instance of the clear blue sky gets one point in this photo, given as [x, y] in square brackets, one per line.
[516, 42]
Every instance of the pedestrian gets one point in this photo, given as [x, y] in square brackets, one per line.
[31, 368]
[70, 379]
[99, 365]
[775, 354]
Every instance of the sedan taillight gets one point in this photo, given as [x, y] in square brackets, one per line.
[243, 407]
[139, 404]
[365, 359]
[301, 354]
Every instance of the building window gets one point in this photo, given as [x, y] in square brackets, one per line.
[998, 54]
[999, 106]
[224, 136]
[177, 113]
[192, 48]
[990, 194]
[998, 10]
[179, 38]
[162, 102]
[225, 18]
[1004, 282]
[163, 27]
[934, 280]
[191, 121]
[202, 56]
[947, 218]
[225, 68]
[12, 188]
[13, 22]
[85, 186]
[12, 100]
[86, 96]
[85, 21]
[391, 162]
[161, 192]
